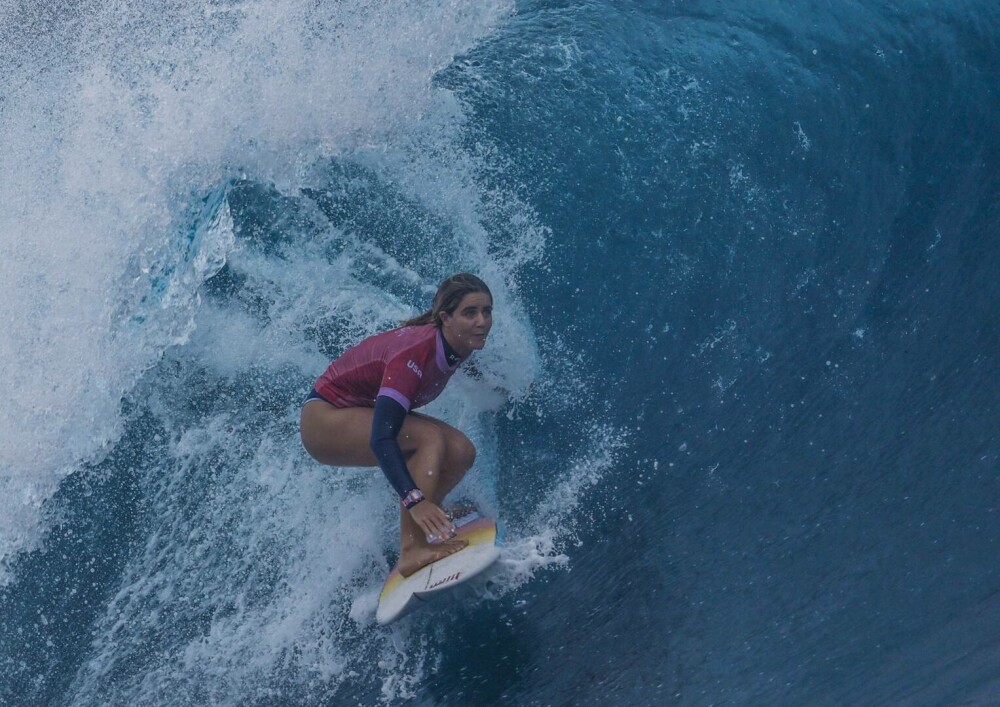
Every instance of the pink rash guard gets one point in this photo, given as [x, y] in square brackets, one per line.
[408, 365]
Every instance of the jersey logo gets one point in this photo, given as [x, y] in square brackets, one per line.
[415, 368]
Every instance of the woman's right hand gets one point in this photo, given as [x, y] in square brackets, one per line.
[432, 520]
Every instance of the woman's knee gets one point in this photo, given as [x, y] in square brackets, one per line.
[455, 451]
[461, 452]
[418, 436]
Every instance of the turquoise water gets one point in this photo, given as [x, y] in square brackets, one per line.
[738, 413]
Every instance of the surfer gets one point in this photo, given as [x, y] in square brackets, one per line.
[361, 412]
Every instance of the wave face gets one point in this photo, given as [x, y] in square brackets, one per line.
[738, 414]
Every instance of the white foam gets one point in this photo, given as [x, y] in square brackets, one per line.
[553, 525]
[116, 118]
[261, 567]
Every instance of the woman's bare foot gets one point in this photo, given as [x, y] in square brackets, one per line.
[420, 555]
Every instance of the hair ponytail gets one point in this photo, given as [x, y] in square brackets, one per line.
[425, 318]
[448, 297]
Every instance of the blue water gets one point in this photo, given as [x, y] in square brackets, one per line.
[738, 414]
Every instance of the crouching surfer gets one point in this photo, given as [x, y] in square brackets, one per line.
[361, 412]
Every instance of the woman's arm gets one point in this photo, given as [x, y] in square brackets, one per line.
[386, 424]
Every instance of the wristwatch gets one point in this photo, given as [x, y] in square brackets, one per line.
[411, 499]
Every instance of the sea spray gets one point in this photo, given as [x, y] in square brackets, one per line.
[115, 128]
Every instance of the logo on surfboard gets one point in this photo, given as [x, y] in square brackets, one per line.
[449, 578]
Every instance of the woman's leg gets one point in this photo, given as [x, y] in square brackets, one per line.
[437, 456]
[441, 457]
[459, 453]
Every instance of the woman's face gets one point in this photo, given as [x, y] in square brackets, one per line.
[466, 330]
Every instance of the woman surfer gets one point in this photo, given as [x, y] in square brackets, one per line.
[360, 412]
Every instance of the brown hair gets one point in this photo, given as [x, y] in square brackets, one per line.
[449, 296]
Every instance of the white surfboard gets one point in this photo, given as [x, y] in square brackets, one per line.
[401, 595]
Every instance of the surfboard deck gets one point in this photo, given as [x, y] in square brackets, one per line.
[401, 595]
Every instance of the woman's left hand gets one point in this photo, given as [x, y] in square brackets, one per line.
[432, 520]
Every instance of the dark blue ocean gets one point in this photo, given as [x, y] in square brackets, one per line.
[738, 414]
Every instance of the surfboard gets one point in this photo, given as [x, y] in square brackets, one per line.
[401, 595]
